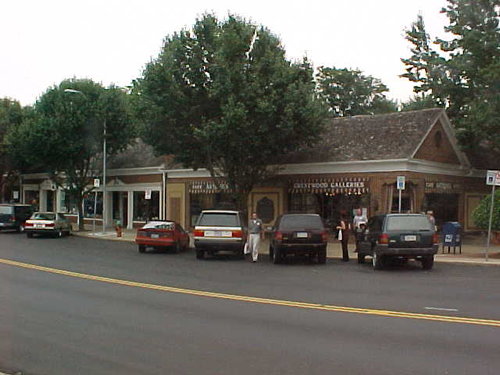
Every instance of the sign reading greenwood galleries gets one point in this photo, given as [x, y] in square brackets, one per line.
[354, 185]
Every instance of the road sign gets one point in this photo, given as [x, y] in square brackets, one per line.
[493, 178]
[97, 182]
[147, 194]
[401, 182]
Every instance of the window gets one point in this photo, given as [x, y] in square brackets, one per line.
[90, 205]
[420, 223]
[146, 209]
[219, 219]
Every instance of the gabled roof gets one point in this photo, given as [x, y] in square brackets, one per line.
[377, 137]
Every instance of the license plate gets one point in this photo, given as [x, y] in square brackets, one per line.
[154, 235]
[218, 233]
[39, 225]
[410, 238]
[302, 235]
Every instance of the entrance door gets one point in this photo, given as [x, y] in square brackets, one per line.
[266, 205]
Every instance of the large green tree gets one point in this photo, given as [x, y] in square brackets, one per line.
[12, 114]
[465, 74]
[223, 96]
[349, 92]
[65, 137]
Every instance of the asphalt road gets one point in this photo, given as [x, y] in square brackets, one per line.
[53, 323]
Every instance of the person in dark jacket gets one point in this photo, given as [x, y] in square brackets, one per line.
[345, 230]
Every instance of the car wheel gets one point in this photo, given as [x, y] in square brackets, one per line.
[200, 254]
[377, 261]
[177, 248]
[271, 253]
[322, 255]
[427, 262]
[277, 257]
[20, 228]
[29, 234]
[59, 233]
[361, 258]
[142, 248]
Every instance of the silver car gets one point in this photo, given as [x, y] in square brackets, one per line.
[47, 223]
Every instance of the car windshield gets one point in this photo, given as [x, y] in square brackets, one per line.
[301, 222]
[43, 216]
[5, 210]
[159, 225]
[419, 223]
[220, 219]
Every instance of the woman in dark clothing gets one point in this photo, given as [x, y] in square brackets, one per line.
[345, 228]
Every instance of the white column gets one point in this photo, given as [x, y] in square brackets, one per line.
[130, 210]
[58, 198]
[43, 200]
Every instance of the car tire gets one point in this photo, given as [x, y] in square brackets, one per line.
[142, 248]
[277, 257]
[378, 261]
[29, 234]
[177, 248]
[361, 258]
[271, 253]
[59, 233]
[20, 229]
[200, 254]
[428, 262]
[322, 255]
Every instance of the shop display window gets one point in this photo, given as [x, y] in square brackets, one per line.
[146, 209]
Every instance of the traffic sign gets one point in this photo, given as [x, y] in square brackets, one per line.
[401, 182]
[97, 182]
[147, 194]
[493, 178]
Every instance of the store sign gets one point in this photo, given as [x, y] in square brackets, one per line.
[340, 185]
[207, 187]
[442, 186]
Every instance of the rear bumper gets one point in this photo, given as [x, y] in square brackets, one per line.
[299, 248]
[9, 226]
[41, 231]
[406, 252]
[155, 242]
[218, 244]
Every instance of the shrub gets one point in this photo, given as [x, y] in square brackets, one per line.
[481, 214]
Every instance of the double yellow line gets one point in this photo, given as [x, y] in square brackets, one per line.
[267, 301]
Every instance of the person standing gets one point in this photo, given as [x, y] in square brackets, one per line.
[345, 228]
[359, 224]
[256, 232]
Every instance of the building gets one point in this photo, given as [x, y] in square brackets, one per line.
[355, 165]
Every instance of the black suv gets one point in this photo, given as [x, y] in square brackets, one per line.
[398, 236]
[13, 216]
[220, 230]
[298, 234]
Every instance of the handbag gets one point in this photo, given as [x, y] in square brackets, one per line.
[339, 235]
[245, 249]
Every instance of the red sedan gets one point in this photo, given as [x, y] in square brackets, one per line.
[162, 234]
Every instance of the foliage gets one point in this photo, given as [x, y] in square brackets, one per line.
[419, 102]
[222, 96]
[65, 136]
[481, 214]
[12, 115]
[349, 92]
[465, 76]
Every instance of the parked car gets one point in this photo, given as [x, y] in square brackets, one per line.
[13, 216]
[298, 234]
[47, 223]
[220, 230]
[399, 236]
[162, 234]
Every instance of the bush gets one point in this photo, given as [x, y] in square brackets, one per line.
[481, 214]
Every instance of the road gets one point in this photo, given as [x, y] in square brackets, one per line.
[116, 312]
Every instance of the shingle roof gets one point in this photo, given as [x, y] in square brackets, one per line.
[389, 136]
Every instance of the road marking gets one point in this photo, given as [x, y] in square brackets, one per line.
[440, 309]
[233, 297]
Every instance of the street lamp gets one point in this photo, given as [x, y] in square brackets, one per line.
[104, 211]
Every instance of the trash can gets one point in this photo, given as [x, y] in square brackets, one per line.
[452, 236]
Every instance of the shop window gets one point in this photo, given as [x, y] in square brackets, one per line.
[32, 197]
[92, 208]
[405, 204]
[68, 203]
[146, 209]
[200, 202]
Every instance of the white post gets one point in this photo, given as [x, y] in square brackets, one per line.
[399, 209]
[104, 208]
[491, 219]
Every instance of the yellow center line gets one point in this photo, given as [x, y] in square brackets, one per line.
[268, 301]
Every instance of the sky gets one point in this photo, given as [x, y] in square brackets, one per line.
[110, 41]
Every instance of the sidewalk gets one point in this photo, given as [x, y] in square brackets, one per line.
[473, 248]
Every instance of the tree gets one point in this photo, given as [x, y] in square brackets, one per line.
[65, 136]
[465, 77]
[481, 214]
[349, 92]
[222, 96]
[12, 115]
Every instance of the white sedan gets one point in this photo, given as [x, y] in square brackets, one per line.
[51, 223]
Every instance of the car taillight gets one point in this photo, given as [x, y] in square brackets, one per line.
[199, 233]
[49, 225]
[278, 236]
[237, 234]
[435, 238]
[383, 239]
[12, 218]
[324, 236]
[28, 225]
